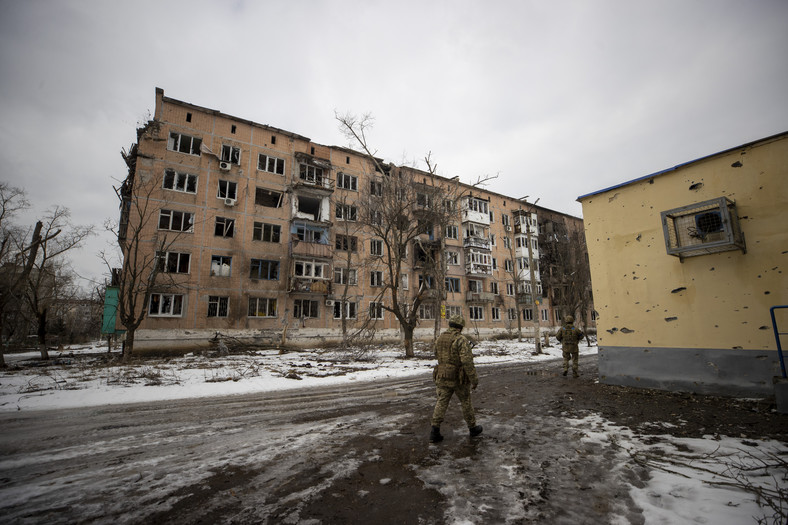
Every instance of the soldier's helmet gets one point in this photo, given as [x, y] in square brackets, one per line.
[570, 319]
[457, 321]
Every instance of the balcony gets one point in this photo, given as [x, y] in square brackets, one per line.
[311, 249]
[482, 243]
[478, 269]
[307, 285]
[479, 297]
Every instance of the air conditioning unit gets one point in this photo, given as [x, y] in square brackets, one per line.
[329, 302]
[229, 202]
[224, 166]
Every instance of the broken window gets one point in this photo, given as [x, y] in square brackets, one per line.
[165, 305]
[308, 234]
[311, 174]
[309, 207]
[305, 308]
[224, 227]
[346, 243]
[376, 188]
[476, 313]
[227, 190]
[173, 220]
[268, 198]
[264, 269]
[184, 144]
[231, 154]
[347, 182]
[180, 181]
[427, 312]
[218, 306]
[345, 276]
[310, 269]
[266, 232]
[376, 247]
[174, 262]
[376, 310]
[220, 265]
[270, 164]
[375, 278]
[346, 212]
[452, 284]
[349, 307]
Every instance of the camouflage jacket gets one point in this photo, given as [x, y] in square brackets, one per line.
[455, 360]
[569, 337]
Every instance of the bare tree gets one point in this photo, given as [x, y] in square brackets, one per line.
[12, 201]
[49, 279]
[403, 208]
[565, 272]
[144, 264]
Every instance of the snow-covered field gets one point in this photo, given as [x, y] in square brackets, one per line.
[690, 480]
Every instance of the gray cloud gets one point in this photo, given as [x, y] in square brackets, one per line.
[559, 98]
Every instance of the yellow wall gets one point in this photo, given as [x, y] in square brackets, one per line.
[726, 300]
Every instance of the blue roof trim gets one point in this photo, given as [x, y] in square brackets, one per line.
[677, 166]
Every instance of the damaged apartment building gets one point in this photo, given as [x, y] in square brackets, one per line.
[260, 233]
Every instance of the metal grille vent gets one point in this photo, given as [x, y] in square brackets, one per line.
[699, 229]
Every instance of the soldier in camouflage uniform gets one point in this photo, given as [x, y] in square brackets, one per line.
[569, 337]
[455, 374]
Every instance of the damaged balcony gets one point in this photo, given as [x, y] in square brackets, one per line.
[310, 240]
[310, 276]
[480, 297]
[313, 173]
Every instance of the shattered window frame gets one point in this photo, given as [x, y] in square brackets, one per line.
[179, 181]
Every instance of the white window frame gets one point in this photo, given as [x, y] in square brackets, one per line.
[187, 218]
[227, 190]
[452, 231]
[174, 259]
[376, 310]
[495, 313]
[476, 313]
[264, 164]
[376, 247]
[345, 276]
[346, 212]
[182, 143]
[451, 311]
[346, 181]
[313, 307]
[231, 154]
[351, 309]
[264, 304]
[179, 181]
[174, 304]
[310, 269]
[273, 230]
[375, 278]
[426, 312]
[227, 227]
[452, 257]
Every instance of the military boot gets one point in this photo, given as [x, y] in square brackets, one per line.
[475, 431]
[435, 435]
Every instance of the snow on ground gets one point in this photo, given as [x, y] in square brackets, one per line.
[689, 480]
[74, 383]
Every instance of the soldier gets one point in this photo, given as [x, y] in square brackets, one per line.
[569, 337]
[455, 373]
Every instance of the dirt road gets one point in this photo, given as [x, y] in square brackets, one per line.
[350, 455]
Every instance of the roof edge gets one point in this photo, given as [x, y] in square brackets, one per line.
[678, 166]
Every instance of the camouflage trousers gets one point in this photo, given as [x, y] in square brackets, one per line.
[444, 396]
[574, 355]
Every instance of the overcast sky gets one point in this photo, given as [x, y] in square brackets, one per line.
[556, 98]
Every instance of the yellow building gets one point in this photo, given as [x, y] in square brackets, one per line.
[685, 265]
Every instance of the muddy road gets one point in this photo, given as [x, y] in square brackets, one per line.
[353, 454]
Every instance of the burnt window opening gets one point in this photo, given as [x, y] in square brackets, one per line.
[309, 206]
[268, 198]
[347, 160]
[232, 129]
[312, 150]
[188, 117]
[273, 139]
